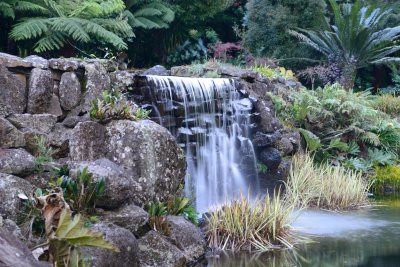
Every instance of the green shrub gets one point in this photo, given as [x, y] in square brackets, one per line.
[273, 73]
[245, 225]
[83, 192]
[43, 154]
[387, 176]
[325, 186]
[389, 104]
[114, 105]
[158, 217]
[342, 127]
[180, 206]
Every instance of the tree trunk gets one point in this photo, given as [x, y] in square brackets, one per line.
[348, 76]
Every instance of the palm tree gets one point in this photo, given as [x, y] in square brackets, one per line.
[55, 23]
[355, 40]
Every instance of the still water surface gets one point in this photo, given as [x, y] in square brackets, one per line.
[366, 238]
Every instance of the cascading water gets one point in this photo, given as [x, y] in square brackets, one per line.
[211, 122]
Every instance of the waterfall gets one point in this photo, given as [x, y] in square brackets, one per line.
[212, 124]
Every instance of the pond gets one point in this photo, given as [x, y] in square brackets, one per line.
[366, 238]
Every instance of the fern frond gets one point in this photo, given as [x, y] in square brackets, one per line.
[26, 6]
[70, 27]
[119, 26]
[6, 10]
[50, 42]
[29, 28]
[370, 138]
[112, 7]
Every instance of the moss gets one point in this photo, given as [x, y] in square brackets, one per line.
[387, 177]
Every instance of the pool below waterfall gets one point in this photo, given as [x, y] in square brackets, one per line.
[369, 237]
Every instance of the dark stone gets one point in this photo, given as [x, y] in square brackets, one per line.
[37, 62]
[264, 140]
[120, 237]
[13, 93]
[9, 135]
[10, 187]
[156, 70]
[14, 252]
[271, 157]
[187, 237]
[40, 91]
[130, 217]
[156, 250]
[37, 123]
[70, 91]
[16, 162]
[72, 121]
[87, 141]
[64, 64]
[11, 61]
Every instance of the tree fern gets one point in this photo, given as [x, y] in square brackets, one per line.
[57, 22]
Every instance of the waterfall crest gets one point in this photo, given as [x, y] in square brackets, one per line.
[212, 124]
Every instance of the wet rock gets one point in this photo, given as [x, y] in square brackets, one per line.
[16, 161]
[40, 91]
[97, 81]
[264, 140]
[64, 64]
[87, 141]
[72, 121]
[123, 239]
[37, 123]
[150, 154]
[55, 107]
[70, 91]
[156, 70]
[271, 157]
[124, 79]
[11, 61]
[247, 75]
[9, 135]
[187, 237]
[156, 250]
[184, 71]
[10, 187]
[269, 123]
[14, 252]
[285, 146]
[13, 93]
[37, 62]
[120, 188]
[130, 217]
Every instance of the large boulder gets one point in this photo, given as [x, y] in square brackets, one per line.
[87, 141]
[157, 70]
[123, 239]
[64, 64]
[14, 252]
[10, 187]
[11, 61]
[9, 135]
[55, 106]
[37, 62]
[13, 93]
[187, 237]
[37, 123]
[156, 250]
[150, 154]
[120, 188]
[70, 91]
[271, 157]
[130, 217]
[16, 161]
[40, 91]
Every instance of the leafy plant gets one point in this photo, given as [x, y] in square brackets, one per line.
[158, 217]
[262, 168]
[43, 154]
[355, 39]
[260, 225]
[273, 73]
[53, 24]
[325, 186]
[180, 206]
[83, 192]
[141, 114]
[387, 176]
[389, 104]
[71, 234]
[113, 105]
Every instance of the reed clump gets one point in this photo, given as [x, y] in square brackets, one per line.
[325, 186]
[259, 225]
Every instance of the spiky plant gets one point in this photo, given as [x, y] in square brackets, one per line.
[148, 15]
[355, 39]
[55, 23]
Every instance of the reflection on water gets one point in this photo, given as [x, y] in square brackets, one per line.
[368, 238]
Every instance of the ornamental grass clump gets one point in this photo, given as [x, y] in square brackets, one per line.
[260, 225]
[324, 186]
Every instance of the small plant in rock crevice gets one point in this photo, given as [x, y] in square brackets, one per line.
[158, 217]
[43, 154]
[114, 106]
[180, 206]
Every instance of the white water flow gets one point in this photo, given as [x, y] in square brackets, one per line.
[211, 122]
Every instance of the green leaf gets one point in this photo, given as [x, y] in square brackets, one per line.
[313, 141]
